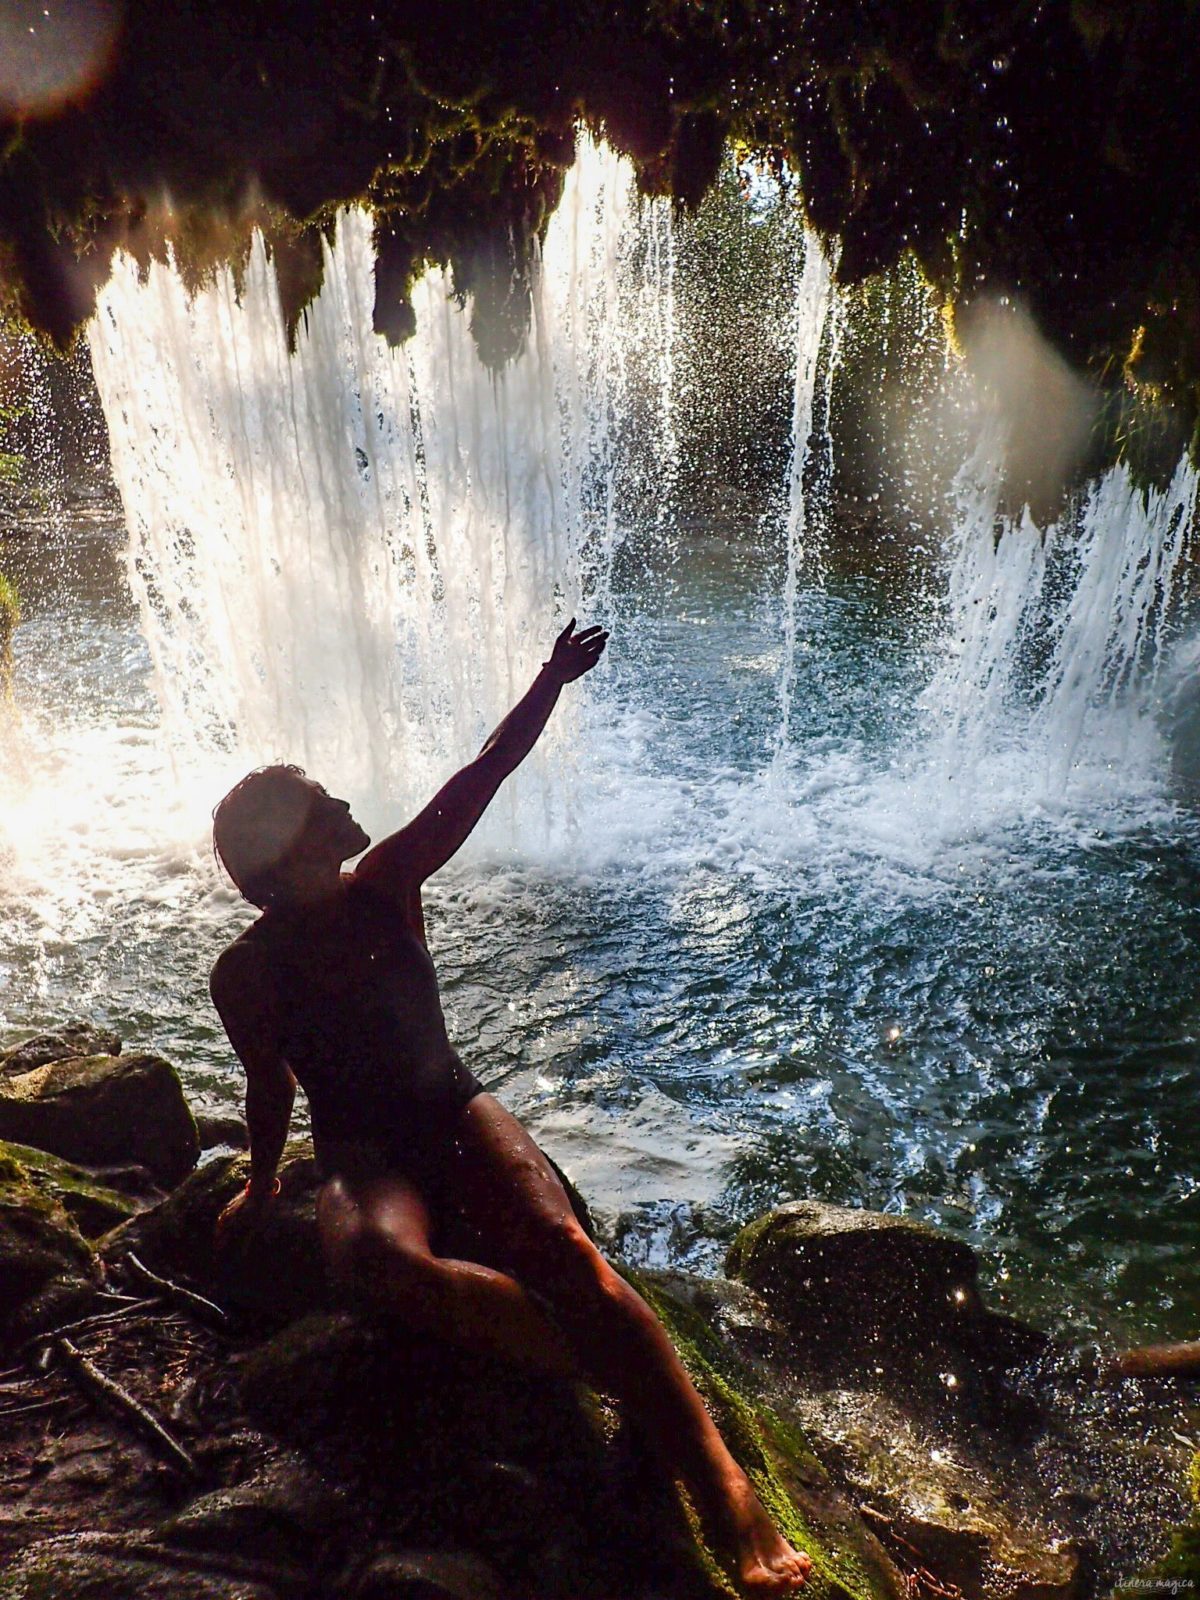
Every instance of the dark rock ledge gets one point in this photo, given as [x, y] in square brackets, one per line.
[265, 1443]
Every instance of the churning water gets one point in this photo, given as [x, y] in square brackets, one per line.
[836, 879]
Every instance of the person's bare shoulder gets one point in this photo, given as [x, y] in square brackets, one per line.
[240, 975]
[401, 890]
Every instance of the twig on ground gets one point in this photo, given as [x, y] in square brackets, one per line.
[101, 1319]
[36, 1405]
[123, 1404]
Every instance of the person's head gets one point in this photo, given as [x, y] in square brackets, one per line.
[276, 826]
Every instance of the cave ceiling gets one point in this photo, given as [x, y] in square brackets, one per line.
[1043, 149]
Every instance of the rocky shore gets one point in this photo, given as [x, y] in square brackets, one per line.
[178, 1424]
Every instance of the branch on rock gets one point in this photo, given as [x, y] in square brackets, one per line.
[1153, 1361]
[175, 1294]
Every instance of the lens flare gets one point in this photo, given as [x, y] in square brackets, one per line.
[54, 52]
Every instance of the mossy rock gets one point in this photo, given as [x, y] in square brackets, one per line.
[94, 1207]
[48, 1271]
[60, 1044]
[101, 1110]
[849, 1563]
[859, 1279]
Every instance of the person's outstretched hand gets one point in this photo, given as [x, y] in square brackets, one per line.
[576, 653]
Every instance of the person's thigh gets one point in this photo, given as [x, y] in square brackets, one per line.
[510, 1203]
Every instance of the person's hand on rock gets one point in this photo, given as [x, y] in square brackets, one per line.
[245, 1211]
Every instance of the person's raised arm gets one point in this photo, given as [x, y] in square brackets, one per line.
[405, 859]
[244, 1003]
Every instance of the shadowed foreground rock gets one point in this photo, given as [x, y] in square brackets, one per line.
[347, 1456]
[47, 1270]
[916, 1444]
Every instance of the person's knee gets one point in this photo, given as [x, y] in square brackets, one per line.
[566, 1269]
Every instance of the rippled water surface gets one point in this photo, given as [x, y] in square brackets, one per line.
[722, 975]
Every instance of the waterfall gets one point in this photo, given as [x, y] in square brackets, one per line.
[1055, 637]
[818, 321]
[351, 556]
[354, 557]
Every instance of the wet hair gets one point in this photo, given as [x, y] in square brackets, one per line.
[248, 840]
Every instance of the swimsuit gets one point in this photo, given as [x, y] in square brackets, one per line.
[361, 1026]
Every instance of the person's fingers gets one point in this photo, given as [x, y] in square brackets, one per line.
[586, 634]
[566, 633]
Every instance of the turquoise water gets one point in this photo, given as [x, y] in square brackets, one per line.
[734, 974]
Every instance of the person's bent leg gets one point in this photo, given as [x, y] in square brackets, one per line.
[375, 1237]
[520, 1214]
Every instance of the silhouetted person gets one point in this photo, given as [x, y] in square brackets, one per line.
[333, 988]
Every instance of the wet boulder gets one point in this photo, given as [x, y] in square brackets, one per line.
[858, 1279]
[217, 1131]
[94, 1205]
[97, 1566]
[48, 1272]
[1177, 1572]
[61, 1044]
[273, 1270]
[955, 1498]
[104, 1109]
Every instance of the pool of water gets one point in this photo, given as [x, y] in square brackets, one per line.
[723, 973]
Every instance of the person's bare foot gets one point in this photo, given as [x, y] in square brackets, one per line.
[771, 1567]
[764, 1562]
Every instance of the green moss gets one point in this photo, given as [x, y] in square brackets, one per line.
[787, 1476]
[93, 1207]
[1178, 1572]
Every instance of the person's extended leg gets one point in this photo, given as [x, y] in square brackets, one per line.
[522, 1219]
[376, 1234]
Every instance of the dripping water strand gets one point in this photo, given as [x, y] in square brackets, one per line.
[816, 325]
